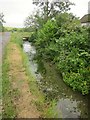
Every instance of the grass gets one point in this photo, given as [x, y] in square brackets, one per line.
[43, 105]
[9, 93]
[9, 110]
[0, 88]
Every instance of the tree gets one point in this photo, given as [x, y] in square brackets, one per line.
[31, 23]
[45, 10]
[51, 9]
[1, 21]
[2, 18]
[34, 21]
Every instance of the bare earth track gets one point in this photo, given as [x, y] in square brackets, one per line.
[19, 80]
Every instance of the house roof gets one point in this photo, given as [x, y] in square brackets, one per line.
[85, 18]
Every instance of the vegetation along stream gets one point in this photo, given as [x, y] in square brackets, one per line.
[69, 103]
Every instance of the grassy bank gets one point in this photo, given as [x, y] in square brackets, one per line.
[9, 94]
[43, 104]
[7, 91]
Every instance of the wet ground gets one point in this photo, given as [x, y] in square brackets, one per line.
[69, 103]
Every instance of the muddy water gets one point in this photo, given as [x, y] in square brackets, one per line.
[69, 103]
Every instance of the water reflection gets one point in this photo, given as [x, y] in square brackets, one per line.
[68, 108]
[31, 51]
[70, 103]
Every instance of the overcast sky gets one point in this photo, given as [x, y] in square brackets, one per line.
[16, 11]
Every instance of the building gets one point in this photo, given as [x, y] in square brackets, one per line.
[85, 20]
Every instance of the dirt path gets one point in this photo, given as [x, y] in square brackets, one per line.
[24, 106]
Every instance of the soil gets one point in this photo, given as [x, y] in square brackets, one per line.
[19, 79]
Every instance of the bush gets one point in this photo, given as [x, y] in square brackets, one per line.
[67, 45]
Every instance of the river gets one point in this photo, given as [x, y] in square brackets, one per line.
[71, 104]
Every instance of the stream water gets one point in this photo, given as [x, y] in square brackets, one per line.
[71, 104]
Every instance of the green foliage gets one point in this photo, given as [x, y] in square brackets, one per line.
[33, 37]
[66, 43]
[34, 21]
[45, 10]
[8, 93]
[7, 96]
[45, 38]
[12, 29]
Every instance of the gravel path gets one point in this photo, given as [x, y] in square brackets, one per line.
[4, 38]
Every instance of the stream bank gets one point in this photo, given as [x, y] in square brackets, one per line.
[69, 103]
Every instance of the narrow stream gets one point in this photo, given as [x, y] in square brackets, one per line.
[70, 104]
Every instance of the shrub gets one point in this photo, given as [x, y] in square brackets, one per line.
[67, 45]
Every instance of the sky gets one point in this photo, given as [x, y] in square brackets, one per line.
[16, 11]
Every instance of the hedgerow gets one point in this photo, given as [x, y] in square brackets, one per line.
[66, 43]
